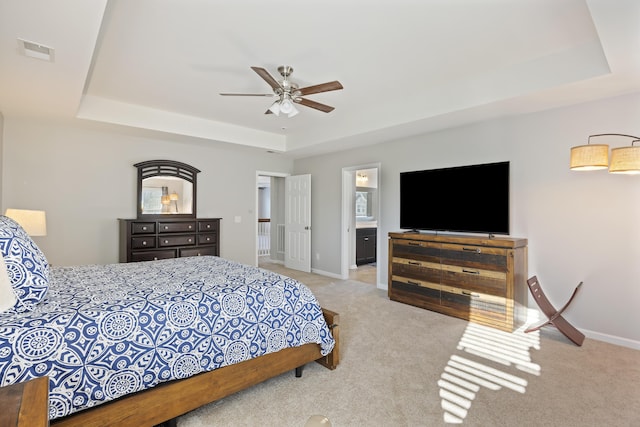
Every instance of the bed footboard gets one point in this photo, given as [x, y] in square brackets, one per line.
[332, 359]
[170, 400]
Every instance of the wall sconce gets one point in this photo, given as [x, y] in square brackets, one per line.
[624, 160]
[33, 222]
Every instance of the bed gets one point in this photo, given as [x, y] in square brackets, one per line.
[142, 343]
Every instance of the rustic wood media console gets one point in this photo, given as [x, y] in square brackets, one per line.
[480, 279]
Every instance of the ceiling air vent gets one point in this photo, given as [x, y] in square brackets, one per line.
[35, 50]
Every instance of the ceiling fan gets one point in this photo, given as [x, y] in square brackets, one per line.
[289, 93]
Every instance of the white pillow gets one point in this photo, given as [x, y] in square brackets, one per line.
[7, 296]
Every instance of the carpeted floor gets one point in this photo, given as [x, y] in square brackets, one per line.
[404, 366]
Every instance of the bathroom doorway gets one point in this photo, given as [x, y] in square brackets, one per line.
[360, 220]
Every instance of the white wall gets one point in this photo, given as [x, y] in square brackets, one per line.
[82, 175]
[580, 226]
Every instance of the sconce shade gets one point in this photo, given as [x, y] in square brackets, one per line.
[589, 157]
[625, 160]
[173, 196]
[33, 222]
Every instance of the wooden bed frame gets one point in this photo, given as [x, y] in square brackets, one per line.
[163, 403]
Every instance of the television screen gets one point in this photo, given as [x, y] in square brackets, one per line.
[472, 199]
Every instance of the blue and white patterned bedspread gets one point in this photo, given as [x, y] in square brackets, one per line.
[104, 331]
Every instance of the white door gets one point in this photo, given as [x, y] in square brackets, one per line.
[297, 223]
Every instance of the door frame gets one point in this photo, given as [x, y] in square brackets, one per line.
[255, 232]
[348, 233]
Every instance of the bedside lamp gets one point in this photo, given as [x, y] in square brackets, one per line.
[33, 222]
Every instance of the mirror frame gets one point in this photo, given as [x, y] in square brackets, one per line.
[170, 168]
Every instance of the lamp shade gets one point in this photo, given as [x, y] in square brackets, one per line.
[589, 157]
[625, 160]
[33, 222]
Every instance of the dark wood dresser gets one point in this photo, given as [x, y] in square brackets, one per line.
[152, 239]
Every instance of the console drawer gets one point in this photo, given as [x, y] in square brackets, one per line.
[475, 280]
[419, 270]
[475, 257]
[422, 251]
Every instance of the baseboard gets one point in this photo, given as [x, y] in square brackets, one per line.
[326, 273]
[611, 339]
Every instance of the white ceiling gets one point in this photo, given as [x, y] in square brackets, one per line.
[407, 66]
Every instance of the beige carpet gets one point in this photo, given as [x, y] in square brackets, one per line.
[404, 366]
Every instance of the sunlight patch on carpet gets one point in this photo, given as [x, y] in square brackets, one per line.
[484, 357]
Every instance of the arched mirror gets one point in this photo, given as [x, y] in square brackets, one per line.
[166, 188]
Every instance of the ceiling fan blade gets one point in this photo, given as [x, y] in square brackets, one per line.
[314, 104]
[246, 94]
[267, 77]
[324, 87]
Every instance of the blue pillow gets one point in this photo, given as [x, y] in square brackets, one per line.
[27, 266]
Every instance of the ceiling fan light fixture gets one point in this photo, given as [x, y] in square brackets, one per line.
[294, 111]
[286, 106]
[275, 108]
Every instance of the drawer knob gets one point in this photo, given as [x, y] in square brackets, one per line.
[166, 227]
[189, 240]
[166, 241]
[190, 227]
[155, 258]
[144, 243]
[144, 228]
[208, 225]
[208, 239]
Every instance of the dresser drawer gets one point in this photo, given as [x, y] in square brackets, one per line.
[181, 240]
[208, 225]
[205, 250]
[414, 269]
[207, 239]
[487, 258]
[152, 255]
[143, 242]
[474, 303]
[475, 280]
[176, 227]
[143, 227]
[423, 251]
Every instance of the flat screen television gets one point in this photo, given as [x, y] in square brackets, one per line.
[472, 199]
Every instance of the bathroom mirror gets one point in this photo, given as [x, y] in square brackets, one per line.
[166, 188]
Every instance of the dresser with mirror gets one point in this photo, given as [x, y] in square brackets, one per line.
[166, 225]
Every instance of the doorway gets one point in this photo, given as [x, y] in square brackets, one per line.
[270, 206]
[360, 223]
[283, 228]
